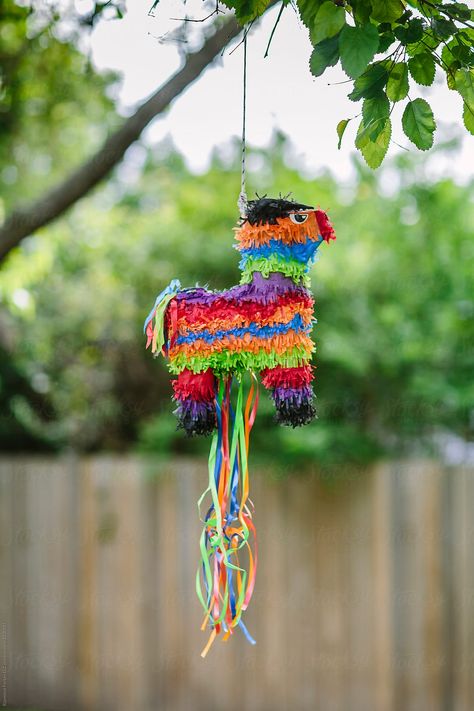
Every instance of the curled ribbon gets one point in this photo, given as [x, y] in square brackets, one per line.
[224, 584]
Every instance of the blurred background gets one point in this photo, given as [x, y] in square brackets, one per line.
[365, 595]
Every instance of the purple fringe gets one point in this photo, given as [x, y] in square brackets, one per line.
[294, 406]
[196, 417]
[260, 290]
[194, 409]
[295, 396]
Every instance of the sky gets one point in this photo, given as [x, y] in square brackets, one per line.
[281, 92]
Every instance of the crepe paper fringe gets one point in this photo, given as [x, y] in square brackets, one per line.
[253, 330]
[227, 313]
[155, 333]
[305, 252]
[199, 386]
[294, 406]
[292, 394]
[295, 270]
[194, 394]
[280, 315]
[196, 417]
[268, 355]
[224, 583]
[287, 377]
[325, 227]
[264, 290]
[283, 230]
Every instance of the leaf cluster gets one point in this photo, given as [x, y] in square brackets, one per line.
[387, 48]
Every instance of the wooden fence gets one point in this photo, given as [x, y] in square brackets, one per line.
[364, 597]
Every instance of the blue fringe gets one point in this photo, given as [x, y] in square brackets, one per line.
[296, 324]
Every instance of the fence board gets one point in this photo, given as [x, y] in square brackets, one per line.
[364, 599]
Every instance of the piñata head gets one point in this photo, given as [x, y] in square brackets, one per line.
[280, 235]
[211, 338]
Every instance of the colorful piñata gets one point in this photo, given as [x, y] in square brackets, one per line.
[211, 339]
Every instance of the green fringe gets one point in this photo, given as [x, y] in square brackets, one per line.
[225, 361]
[290, 268]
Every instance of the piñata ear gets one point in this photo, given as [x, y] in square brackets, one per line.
[325, 227]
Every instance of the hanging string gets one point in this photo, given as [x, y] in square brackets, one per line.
[242, 201]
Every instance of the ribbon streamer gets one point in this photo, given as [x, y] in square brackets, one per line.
[224, 584]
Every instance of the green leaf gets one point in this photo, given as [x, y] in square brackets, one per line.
[329, 20]
[385, 40]
[429, 42]
[413, 32]
[451, 76]
[464, 84]
[308, 10]
[458, 9]
[374, 150]
[406, 16]
[370, 83]
[463, 53]
[361, 10]
[443, 28]
[464, 81]
[387, 10]
[447, 54]
[247, 10]
[341, 127]
[374, 113]
[468, 118]
[358, 46]
[397, 84]
[419, 124]
[422, 68]
[325, 54]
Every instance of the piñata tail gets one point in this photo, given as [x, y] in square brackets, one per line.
[212, 339]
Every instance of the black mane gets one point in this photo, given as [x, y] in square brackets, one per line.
[264, 211]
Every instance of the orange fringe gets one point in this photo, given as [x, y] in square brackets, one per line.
[278, 344]
[282, 314]
[284, 231]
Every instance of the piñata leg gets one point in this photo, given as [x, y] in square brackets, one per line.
[195, 395]
[226, 576]
[292, 393]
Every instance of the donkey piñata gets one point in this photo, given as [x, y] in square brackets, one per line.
[212, 337]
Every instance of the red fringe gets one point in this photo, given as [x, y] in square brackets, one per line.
[287, 377]
[198, 386]
[325, 227]
[249, 311]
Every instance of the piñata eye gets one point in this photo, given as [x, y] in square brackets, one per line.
[298, 217]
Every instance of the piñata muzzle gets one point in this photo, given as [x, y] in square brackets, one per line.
[211, 339]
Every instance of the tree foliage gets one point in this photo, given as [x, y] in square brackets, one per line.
[53, 105]
[393, 293]
[387, 48]
[393, 301]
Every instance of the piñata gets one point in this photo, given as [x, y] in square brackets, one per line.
[211, 339]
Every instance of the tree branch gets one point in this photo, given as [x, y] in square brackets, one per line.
[23, 221]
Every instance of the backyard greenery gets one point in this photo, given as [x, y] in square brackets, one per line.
[393, 299]
[393, 294]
